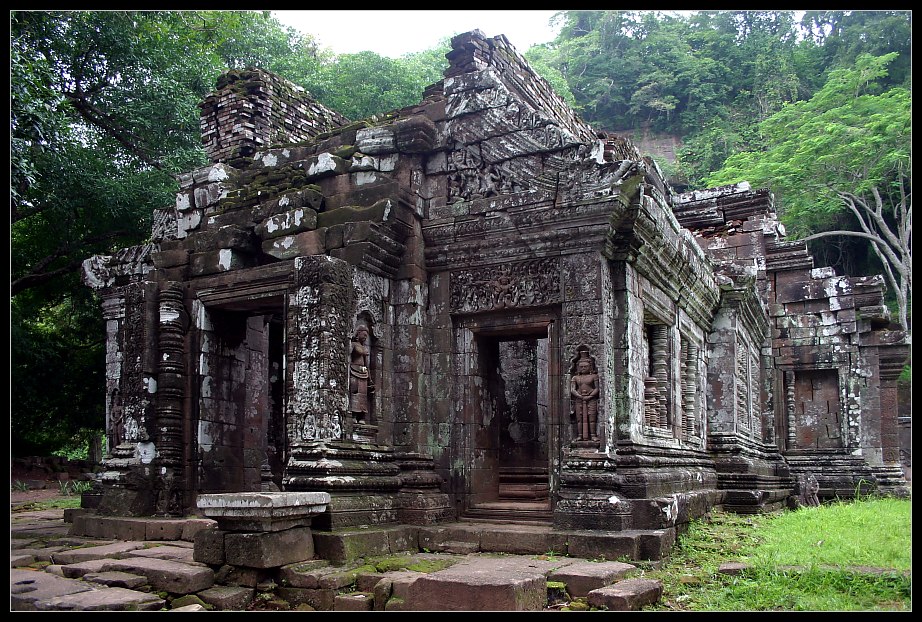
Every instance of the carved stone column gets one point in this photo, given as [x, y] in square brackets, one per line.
[659, 350]
[170, 389]
[789, 409]
[689, 390]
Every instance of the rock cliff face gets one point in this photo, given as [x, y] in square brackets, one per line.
[549, 331]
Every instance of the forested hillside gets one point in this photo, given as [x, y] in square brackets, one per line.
[104, 114]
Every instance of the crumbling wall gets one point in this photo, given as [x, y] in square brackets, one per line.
[252, 109]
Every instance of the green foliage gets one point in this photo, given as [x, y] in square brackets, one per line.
[843, 152]
[71, 487]
[19, 486]
[364, 84]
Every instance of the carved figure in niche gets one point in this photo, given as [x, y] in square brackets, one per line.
[584, 396]
[361, 385]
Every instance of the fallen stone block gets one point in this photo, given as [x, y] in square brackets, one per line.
[583, 577]
[228, 598]
[357, 601]
[732, 568]
[171, 576]
[321, 600]
[481, 584]
[626, 595]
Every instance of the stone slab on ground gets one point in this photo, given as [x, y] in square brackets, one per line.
[626, 595]
[583, 577]
[171, 576]
[178, 553]
[732, 568]
[106, 551]
[41, 554]
[104, 599]
[19, 560]
[483, 584]
[75, 571]
[28, 586]
[115, 578]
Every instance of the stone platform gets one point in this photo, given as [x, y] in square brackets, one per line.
[55, 569]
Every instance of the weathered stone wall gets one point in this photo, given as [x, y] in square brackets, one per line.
[252, 109]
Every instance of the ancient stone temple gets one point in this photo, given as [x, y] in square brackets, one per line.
[479, 307]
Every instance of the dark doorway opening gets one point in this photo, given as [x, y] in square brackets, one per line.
[515, 442]
[241, 430]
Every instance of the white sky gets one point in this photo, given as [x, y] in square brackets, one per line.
[396, 32]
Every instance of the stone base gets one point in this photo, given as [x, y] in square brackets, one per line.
[269, 550]
[839, 474]
[891, 481]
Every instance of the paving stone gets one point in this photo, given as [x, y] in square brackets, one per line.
[626, 595]
[179, 553]
[28, 586]
[105, 599]
[18, 560]
[170, 576]
[115, 578]
[41, 554]
[106, 551]
[75, 571]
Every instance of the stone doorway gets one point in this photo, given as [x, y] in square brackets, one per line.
[513, 435]
[240, 429]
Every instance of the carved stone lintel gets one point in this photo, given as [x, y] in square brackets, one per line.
[535, 282]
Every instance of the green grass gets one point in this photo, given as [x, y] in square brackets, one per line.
[51, 504]
[804, 560]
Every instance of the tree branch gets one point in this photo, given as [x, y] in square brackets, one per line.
[36, 274]
[98, 118]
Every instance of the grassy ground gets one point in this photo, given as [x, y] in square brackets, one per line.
[848, 556]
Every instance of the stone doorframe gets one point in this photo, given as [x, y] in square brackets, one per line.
[468, 392]
[253, 290]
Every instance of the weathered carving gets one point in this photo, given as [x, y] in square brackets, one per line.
[523, 284]
[584, 394]
[361, 384]
[808, 489]
[174, 321]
